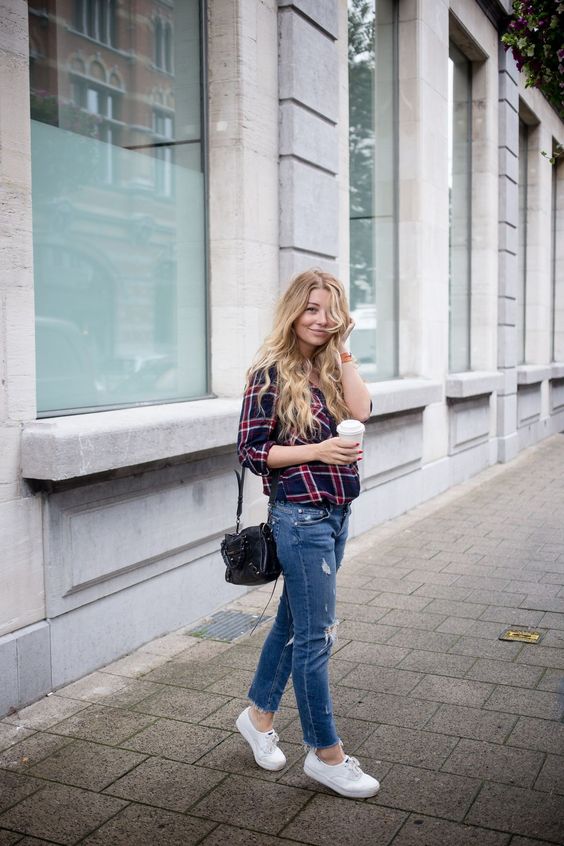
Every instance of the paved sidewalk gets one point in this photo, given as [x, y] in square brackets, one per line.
[463, 730]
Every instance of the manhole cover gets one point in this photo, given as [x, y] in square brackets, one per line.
[522, 635]
[226, 625]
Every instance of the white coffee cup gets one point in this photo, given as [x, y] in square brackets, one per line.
[351, 430]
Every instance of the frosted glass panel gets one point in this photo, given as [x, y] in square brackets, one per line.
[118, 208]
[373, 185]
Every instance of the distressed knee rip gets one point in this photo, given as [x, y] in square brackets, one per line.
[325, 567]
[331, 634]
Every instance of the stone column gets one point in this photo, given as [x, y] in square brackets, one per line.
[508, 141]
[21, 559]
[309, 140]
[243, 183]
[423, 200]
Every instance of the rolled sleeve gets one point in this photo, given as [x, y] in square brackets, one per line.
[256, 427]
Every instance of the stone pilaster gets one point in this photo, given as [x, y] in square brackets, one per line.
[21, 560]
[309, 139]
[507, 268]
[243, 183]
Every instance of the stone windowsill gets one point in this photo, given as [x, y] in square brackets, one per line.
[80, 445]
[399, 395]
[61, 448]
[531, 374]
[473, 383]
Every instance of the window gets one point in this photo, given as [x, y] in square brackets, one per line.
[521, 304]
[97, 19]
[104, 104]
[557, 263]
[163, 127]
[460, 212]
[118, 217]
[373, 140]
[163, 45]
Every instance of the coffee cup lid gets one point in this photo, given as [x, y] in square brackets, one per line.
[350, 426]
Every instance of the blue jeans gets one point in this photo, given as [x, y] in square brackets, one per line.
[310, 540]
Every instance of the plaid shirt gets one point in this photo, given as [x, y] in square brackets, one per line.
[311, 482]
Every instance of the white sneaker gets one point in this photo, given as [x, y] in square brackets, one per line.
[346, 778]
[263, 743]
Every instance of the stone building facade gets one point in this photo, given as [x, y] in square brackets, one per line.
[165, 168]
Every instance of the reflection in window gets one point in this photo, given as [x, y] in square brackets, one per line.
[521, 304]
[163, 127]
[118, 212]
[557, 259]
[373, 74]
[163, 45]
[557, 262]
[103, 105]
[460, 186]
[97, 19]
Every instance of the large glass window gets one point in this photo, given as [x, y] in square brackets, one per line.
[460, 210]
[373, 76]
[557, 298]
[118, 205]
[558, 260]
[521, 304]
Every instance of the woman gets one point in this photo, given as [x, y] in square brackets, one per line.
[300, 386]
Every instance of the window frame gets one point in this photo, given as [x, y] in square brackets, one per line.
[203, 141]
[394, 315]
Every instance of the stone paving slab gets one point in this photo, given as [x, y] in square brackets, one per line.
[551, 777]
[531, 733]
[330, 819]
[420, 830]
[29, 751]
[437, 794]
[250, 803]
[463, 730]
[140, 825]
[472, 723]
[494, 762]
[175, 740]
[60, 813]
[165, 784]
[408, 746]
[103, 724]
[88, 765]
[519, 811]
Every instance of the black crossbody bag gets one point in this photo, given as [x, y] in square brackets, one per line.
[250, 554]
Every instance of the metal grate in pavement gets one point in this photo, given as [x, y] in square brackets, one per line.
[226, 625]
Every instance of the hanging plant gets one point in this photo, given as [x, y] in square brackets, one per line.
[536, 38]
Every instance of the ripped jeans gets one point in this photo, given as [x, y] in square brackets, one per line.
[310, 540]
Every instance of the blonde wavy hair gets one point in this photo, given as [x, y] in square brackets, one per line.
[281, 350]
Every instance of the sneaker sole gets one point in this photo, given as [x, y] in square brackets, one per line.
[242, 731]
[360, 794]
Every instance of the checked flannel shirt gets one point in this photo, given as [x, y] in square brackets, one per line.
[313, 482]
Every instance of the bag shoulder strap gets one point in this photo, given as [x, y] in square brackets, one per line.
[241, 482]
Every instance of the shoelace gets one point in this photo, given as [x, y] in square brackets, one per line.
[271, 742]
[353, 765]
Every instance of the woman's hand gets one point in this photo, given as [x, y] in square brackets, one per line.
[337, 451]
[346, 336]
